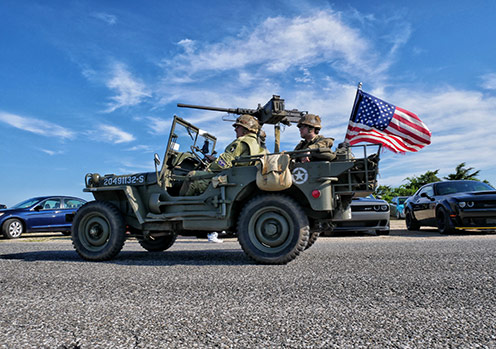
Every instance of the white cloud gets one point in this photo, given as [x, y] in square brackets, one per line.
[158, 125]
[107, 18]
[130, 91]
[141, 148]
[279, 44]
[37, 126]
[489, 81]
[52, 152]
[112, 134]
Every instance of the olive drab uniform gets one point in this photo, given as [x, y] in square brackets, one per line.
[318, 142]
[242, 146]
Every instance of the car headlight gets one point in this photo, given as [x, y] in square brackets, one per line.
[463, 204]
[2, 213]
[381, 208]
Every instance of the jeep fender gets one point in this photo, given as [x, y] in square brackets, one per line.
[131, 194]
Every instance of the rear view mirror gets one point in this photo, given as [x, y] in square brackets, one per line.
[38, 208]
[156, 158]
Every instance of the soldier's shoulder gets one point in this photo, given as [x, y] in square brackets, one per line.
[325, 140]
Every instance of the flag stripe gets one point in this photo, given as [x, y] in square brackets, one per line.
[412, 120]
[409, 132]
[359, 131]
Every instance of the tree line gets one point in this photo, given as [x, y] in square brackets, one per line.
[413, 183]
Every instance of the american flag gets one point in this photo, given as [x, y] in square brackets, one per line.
[376, 121]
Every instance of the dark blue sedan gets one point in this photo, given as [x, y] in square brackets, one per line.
[40, 214]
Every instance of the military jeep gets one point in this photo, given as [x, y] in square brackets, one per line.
[273, 227]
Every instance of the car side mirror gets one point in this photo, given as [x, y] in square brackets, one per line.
[38, 208]
[425, 195]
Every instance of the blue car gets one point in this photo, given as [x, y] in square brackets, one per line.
[397, 206]
[40, 214]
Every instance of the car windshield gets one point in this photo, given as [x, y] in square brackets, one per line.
[461, 187]
[401, 200]
[26, 203]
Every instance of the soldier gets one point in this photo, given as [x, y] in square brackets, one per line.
[246, 143]
[310, 126]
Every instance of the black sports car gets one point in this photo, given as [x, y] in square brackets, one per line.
[451, 205]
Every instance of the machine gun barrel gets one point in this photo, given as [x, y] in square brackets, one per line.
[238, 111]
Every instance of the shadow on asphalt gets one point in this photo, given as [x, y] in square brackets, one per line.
[171, 257]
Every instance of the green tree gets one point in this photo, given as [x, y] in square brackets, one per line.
[415, 182]
[463, 173]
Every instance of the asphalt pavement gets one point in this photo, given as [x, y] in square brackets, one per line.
[406, 290]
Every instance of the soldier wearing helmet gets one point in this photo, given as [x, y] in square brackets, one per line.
[310, 126]
[246, 143]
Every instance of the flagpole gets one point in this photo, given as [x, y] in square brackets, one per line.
[359, 88]
[355, 103]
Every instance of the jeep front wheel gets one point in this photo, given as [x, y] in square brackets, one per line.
[98, 231]
[273, 229]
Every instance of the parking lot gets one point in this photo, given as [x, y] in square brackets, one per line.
[408, 289]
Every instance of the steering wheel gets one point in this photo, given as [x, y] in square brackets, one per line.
[194, 150]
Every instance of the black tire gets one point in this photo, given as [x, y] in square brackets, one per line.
[158, 244]
[13, 228]
[312, 239]
[411, 222]
[98, 231]
[382, 232]
[273, 229]
[443, 221]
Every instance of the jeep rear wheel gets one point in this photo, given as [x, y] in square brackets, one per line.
[158, 244]
[312, 238]
[98, 231]
[273, 229]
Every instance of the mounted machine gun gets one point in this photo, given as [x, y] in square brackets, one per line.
[272, 113]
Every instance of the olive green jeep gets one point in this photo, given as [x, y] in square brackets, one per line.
[272, 227]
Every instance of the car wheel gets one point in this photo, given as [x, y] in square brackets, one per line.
[444, 224]
[382, 232]
[312, 239]
[13, 228]
[158, 244]
[98, 231]
[273, 229]
[411, 222]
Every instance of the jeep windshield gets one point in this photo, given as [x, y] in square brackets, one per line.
[188, 140]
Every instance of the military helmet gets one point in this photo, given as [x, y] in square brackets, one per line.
[310, 120]
[248, 122]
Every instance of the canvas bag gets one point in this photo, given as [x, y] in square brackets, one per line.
[273, 172]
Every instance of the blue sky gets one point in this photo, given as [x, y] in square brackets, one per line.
[91, 86]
